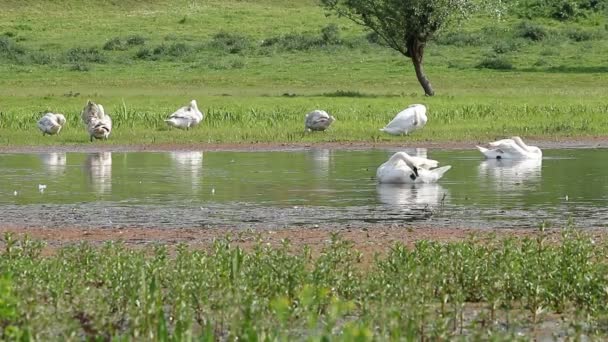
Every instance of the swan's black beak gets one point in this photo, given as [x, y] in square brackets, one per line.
[413, 177]
[416, 171]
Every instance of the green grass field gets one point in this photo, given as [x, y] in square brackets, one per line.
[493, 78]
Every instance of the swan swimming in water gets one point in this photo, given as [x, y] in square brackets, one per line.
[185, 117]
[99, 124]
[408, 120]
[513, 148]
[318, 120]
[51, 123]
[403, 168]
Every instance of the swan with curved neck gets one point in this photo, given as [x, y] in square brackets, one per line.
[513, 148]
[403, 168]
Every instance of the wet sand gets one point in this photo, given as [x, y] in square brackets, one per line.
[573, 142]
[368, 240]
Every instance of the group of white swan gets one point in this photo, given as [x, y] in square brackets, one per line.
[99, 124]
[406, 121]
[400, 168]
[403, 168]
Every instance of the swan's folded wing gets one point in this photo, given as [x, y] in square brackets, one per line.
[183, 113]
[509, 146]
[403, 119]
[497, 143]
[424, 163]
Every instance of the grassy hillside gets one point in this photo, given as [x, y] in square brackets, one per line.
[258, 66]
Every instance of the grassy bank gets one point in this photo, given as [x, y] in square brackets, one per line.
[257, 67]
[500, 289]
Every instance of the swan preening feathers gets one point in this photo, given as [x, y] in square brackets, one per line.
[408, 120]
[98, 123]
[513, 148]
[185, 117]
[403, 168]
[318, 120]
[51, 123]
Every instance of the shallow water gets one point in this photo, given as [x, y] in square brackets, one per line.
[318, 186]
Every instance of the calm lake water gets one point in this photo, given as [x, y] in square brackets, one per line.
[275, 189]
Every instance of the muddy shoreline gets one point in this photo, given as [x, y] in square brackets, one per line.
[375, 239]
[587, 142]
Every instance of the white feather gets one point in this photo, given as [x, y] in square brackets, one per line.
[185, 117]
[318, 120]
[408, 120]
[402, 168]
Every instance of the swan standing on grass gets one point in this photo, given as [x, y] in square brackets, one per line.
[513, 148]
[51, 123]
[186, 117]
[99, 124]
[408, 120]
[403, 168]
[318, 120]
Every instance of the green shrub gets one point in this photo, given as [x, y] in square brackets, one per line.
[85, 55]
[505, 46]
[178, 50]
[79, 66]
[565, 10]
[230, 42]
[495, 63]
[10, 49]
[330, 34]
[532, 31]
[579, 35]
[114, 44]
[460, 39]
[135, 40]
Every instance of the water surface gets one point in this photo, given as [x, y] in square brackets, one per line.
[318, 186]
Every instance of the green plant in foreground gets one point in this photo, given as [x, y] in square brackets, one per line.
[474, 289]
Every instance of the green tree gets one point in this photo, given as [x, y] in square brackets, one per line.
[405, 25]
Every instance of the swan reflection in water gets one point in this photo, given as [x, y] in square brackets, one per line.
[412, 195]
[54, 162]
[508, 174]
[99, 169]
[189, 164]
[321, 160]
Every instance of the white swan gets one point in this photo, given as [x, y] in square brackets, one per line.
[186, 117]
[99, 124]
[403, 168]
[318, 120]
[408, 120]
[513, 148]
[51, 123]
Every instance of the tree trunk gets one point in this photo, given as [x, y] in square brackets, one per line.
[416, 53]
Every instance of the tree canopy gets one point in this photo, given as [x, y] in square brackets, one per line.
[405, 25]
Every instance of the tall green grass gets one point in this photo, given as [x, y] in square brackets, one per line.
[277, 119]
[498, 289]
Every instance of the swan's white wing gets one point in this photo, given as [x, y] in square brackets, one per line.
[318, 120]
[183, 112]
[509, 146]
[403, 122]
[92, 110]
[423, 163]
[395, 171]
[501, 142]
